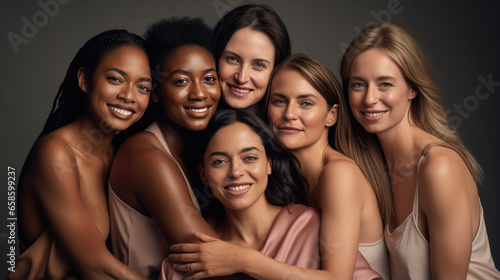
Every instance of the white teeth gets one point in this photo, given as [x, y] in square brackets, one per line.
[121, 111]
[238, 188]
[198, 110]
[374, 114]
[241, 90]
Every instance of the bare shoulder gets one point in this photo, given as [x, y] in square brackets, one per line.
[441, 164]
[442, 177]
[341, 178]
[341, 169]
[53, 147]
[141, 156]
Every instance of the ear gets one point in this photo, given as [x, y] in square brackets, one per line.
[269, 168]
[201, 171]
[412, 94]
[82, 80]
[332, 116]
[155, 95]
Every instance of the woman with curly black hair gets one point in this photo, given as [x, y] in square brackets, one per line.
[151, 201]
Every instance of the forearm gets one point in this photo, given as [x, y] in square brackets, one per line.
[262, 267]
[109, 268]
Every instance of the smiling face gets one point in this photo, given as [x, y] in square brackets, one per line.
[190, 89]
[298, 114]
[236, 167]
[379, 94]
[245, 67]
[119, 89]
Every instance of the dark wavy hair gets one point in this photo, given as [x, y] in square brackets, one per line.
[70, 101]
[284, 186]
[260, 18]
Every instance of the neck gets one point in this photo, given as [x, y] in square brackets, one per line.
[402, 147]
[94, 139]
[311, 159]
[174, 135]
[250, 227]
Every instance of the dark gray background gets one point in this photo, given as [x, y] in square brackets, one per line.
[461, 39]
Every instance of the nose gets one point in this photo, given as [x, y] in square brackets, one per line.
[197, 91]
[242, 76]
[126, 94]
[371, 95]
[290, 111]
[236, 169]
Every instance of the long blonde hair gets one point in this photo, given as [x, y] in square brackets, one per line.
[426, 110]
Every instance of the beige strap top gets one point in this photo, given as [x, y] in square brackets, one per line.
[377, 256]
[135, 238]
[409, 250]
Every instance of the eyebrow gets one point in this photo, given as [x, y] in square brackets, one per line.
[123, 73]
[306, 95]
[244, 150]
[378, 78]
[235, 54]
[186, 72]
[120, 71]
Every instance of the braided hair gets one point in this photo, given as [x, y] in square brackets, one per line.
[68, 104]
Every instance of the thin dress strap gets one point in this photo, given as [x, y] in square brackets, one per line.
[424, 152]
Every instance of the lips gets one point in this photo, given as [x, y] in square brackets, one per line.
[288, 129]
[373, 115]
[238, 188]
[239, 91]
[121, 112]
[198, 111]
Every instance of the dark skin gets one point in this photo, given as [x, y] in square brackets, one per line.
[63, 216]
[144, 175]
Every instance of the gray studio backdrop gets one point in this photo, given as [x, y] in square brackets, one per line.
[38, 39]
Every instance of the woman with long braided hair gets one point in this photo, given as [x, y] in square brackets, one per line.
[63, 214]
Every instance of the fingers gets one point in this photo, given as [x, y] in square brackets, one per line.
[196, 276]
[198, 273]
[185, 257]
[185, 247]
[203, 237]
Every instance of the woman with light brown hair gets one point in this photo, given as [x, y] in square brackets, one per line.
[435, 226]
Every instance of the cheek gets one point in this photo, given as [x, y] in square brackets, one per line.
[214, 91]
[225, 71]
[261, 80]
[274, 116]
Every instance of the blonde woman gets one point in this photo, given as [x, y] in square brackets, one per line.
[436, 229]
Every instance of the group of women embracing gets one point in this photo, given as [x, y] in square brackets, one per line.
[237, 159]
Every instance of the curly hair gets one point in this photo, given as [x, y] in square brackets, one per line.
[166, 35]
